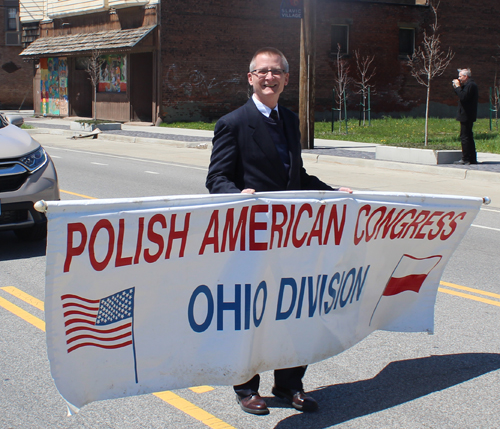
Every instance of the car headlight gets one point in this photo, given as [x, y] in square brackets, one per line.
[34, 160]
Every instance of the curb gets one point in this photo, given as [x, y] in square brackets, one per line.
[114, 137]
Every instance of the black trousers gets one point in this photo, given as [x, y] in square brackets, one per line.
[288, 378]
[468, 145]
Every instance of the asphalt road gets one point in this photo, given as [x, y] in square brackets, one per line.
[389, 380]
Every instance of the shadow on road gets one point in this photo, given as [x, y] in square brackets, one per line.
[12, 248]
[397, 383]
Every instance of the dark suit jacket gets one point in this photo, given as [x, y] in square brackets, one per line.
[467, 101]
[245, 156]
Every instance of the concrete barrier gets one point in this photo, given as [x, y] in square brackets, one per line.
[417, 156]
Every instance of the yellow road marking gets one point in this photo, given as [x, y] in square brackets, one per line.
[201, 389]
[192, 410]
[77, 195]
[18, 311]
[469, 289]
[24, 297]
[473, 297]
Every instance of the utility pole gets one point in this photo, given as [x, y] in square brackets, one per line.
[307, 79]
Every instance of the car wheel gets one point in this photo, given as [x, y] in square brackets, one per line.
[34, 233]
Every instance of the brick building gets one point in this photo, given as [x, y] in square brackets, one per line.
[205, 75]
[15, 75]
[198, 52]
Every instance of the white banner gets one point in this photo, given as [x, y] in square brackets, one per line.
[152, 294]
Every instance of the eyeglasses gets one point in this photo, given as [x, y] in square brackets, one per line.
[262, 73]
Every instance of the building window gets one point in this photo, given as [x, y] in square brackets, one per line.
[11, 19]
[340, 36]
[12, 33]
[406, 41]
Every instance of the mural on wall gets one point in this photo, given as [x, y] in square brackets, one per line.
[113, 77]
[54, 86]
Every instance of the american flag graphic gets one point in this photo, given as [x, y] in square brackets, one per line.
[106, 323]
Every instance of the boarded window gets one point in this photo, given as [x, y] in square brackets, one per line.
[406, 41]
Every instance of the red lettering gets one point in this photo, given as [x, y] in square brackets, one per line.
[394, 235]
[178, 235]
[453, 226]
[317, 229]
[442, 224]
[357, 238]
[416, 223]
[386, 222]
[231, 233]
[295, 241]
[338, 228]
[140, 233]
[290, 224]
[71, 250]
[429, 222]
[102, 224]
[121, 261]
[380, 210]
[257, 226]
[155, 238]
[278, 227]
[213, 240]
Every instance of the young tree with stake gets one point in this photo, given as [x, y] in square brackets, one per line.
[429, 61]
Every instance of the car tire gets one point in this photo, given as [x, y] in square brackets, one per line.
[35, 233]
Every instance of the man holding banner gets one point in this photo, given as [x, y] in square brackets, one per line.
[257, 148]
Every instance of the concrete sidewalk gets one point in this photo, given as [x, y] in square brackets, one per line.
[339, 163]
[136, 132]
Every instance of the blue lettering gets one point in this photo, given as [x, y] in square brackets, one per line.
[283, 315]
[332, 292]
[262, 287]
[313, 301]
[210, 309]
[301, 297]
[358, 285]
[338, 293]
[351, 273]
[223, 306]
[248, 300]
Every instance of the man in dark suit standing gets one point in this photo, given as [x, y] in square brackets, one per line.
[256, 148]
[468, 95]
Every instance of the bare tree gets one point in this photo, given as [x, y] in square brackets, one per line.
[365, 72]
[342, 80]
[93, 68]
[429, 61]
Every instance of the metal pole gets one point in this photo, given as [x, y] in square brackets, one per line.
[333, 109]
[307, 74]
[491, 104]
[345, 113]
[369, 109]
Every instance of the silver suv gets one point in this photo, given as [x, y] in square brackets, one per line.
[27, 175]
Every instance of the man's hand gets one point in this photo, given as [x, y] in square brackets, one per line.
[344, 189]
[248, 191]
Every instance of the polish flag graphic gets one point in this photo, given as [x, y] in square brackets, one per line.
[409, 275]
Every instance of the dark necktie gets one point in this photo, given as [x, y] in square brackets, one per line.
[274, 116]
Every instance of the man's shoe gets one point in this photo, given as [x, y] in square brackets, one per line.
[299, 400]
[252, 404]
[462, 162]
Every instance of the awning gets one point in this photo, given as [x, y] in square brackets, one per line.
[84, 43]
